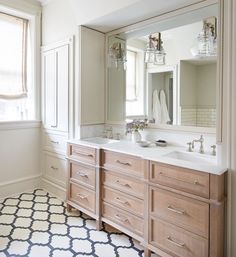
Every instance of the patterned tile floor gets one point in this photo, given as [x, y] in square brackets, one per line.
[36, 224]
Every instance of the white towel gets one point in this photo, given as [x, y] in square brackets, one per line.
[156, 107]
[165, 118]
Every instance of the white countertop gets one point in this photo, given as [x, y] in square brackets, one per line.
[201, 162]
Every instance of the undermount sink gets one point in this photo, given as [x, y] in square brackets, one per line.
[100, 140]
[191, 157]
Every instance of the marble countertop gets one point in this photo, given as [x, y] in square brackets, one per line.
[201, 162]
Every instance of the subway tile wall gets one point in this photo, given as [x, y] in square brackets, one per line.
[200, 117]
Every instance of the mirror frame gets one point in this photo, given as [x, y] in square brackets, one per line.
[219, 86]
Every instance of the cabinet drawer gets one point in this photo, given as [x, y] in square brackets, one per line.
[187, 180]
[187, 213]
[82, 174]
[124, 184]
[82, 196]
[53, 142]
[82, 153]
[55, 169]
[123, 218]
[124, 201]
[177, 241]
[126, 163]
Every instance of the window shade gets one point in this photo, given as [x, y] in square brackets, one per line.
[13, 57]
[131, 87]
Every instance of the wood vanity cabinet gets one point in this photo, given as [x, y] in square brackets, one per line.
[185, 212]
[172, 211]
[83, 185]
[123, 192]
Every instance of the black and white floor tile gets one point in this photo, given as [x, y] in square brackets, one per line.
[36, 224]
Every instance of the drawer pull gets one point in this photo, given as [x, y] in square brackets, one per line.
[173, 241]
[54, 142]
[53, 126]
[195, 182]
[81, 174]
[84, 154]
[121, 219]
[123, 163]
[170, 208]
[121, 201]
[81, 196]
[54, 168]
[122, 184]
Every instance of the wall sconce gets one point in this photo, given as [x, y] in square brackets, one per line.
[154, 52]
[117, 55]
[206, 43]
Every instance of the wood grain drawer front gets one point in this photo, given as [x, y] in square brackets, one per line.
[128, 203]
[123, 218]
[129, 164]
[124, 184]
[187, 213]
[82, 174]
[83, 153]
[177, 241]
[54, 142]
[55, 169]
[187, 180]
[82, 196]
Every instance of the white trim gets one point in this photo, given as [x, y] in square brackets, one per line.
[53, 189]
[15, 125]
[17, 186]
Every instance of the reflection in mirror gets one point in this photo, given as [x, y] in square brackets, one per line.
[180, 89]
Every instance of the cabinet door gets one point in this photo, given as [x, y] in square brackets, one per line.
[50, 97]
[62, 86]
[56, 88]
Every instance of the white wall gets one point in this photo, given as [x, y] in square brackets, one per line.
[19, 159]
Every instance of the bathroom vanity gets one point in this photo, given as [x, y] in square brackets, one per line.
[171, 201]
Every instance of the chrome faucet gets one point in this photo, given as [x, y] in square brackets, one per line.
[201, 140]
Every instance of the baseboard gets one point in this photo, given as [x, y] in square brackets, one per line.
[18, 186]
[53, 189]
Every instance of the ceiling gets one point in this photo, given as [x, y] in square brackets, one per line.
[135, 12]
[107, 15]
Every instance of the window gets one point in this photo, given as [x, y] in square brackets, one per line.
[16, 98]
[135, 83]
[131, 85]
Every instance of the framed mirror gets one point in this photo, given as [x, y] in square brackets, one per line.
[181, 84]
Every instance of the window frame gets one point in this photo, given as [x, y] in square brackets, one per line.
[33, 14]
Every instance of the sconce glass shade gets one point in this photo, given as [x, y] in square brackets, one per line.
[160, 57]
[117, 55]
[206, 43]
[154, 52]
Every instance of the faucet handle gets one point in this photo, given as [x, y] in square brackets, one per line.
[213, 150]
[189, 146]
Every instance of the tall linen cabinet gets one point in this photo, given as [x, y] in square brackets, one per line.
[73, 94]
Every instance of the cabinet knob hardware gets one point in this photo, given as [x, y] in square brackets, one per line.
[123, 163]
[121, 201]
[122, 184]
[81, 196]
[82, 174]
[171, 208]
[54, 168]
[173, 241]
[54, 142]
[122, 219]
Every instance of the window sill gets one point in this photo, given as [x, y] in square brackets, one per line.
[22, 124]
